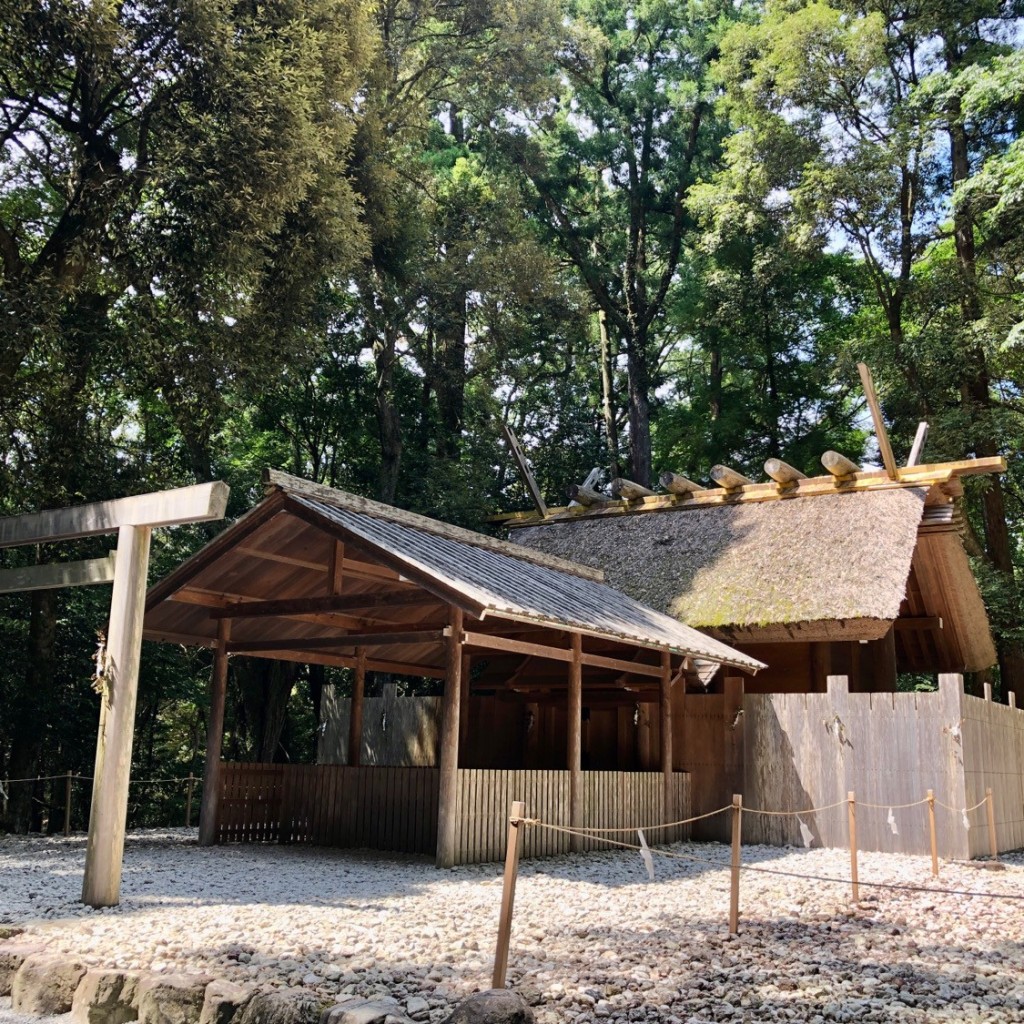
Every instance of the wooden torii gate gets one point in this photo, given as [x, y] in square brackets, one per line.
[133, 519]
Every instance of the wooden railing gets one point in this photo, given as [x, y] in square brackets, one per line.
[396, 808]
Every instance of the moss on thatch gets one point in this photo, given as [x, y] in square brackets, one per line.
[842, 556]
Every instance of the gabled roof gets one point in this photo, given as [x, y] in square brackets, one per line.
[297, 526]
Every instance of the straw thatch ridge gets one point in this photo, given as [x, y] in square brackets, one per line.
[834, 557]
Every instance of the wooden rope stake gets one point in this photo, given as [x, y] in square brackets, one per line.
[67, 804]
[931, 833]
[852, 804]
[734, 887]
[508, 892]
[990, 811]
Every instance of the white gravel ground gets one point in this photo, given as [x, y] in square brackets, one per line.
[593, 939]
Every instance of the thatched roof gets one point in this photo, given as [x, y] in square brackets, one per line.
[830, 557]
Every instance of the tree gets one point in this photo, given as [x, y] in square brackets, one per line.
[612, 163]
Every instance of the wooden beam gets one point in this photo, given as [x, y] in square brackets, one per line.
[448, 793]
[314, 605]
[575, 741]
[586, 495]
[782, 472]
[101, 884]
[196, 504]
[918, 622]
[920, 439]
[861, 480]
[665, 723]
[215, 737]
[355, 719]
[336, 571]
[840, 466]
[630, 490]
[274, 556]
[674, 483]
[728, 478]
[881, 434]
[493, 642]
[57, 574]
[313, 643]
[525, 473]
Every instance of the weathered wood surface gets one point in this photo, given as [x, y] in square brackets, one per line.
[330, 805]
[796, 751]
[610, 800]
[396, 808]
[54, 575]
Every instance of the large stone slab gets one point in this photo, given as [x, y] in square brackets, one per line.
[45, 984]
[280, 1008]
[495, 1006]
[172, 998]
[106, 996]
[12, 956]
[223, 1002]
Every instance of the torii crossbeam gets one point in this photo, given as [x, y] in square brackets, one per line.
[133, 519]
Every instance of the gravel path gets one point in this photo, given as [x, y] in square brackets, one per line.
[593, 939]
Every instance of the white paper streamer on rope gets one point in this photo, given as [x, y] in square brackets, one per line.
[806, 834]
[966, 821]
[645, 854]
[892, 823]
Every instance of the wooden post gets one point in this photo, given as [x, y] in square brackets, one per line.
[931, 833]
[734, 887]
[575, 742]
[447, 799]
[101, 884]
[881, 434]
[508, 892]
[987, 691]
[990, 810]
[852, 804]
[214, 737]
[467, 671]
[355, 718]
[666, 740]
[188, 799]
[67, 804]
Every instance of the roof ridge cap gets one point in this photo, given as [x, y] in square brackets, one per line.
[274, 479]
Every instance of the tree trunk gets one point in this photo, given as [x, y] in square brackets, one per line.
[33, 709]
[611, 427]
[389, 425]
[639, 409]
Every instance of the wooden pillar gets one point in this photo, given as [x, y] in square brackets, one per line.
[665, 723]
[449, 782]
[882, 664]
[214, 737]
[464, 704]
[575, 741]
[355, 718]
[101, 885]
[821, 665]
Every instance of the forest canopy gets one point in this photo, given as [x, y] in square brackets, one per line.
[350, 240]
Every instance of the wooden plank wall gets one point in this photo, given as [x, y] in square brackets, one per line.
[389, 808]
[612, 800]
[993, 755]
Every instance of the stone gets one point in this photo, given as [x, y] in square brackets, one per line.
[223, 1001]
[494, 1006]
[45, 984]
[12, 956]
[106, 997]
[279, 1008]
[416, 1005]
[361, 1011]
[171, 998]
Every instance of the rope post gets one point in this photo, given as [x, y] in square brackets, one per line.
[7, 789]
[188, 800]
[734, 887]
[852, 805]
[508, 892]
[67, 804]
[990, 810]
[931, 833]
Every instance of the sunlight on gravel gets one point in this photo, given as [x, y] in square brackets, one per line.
[593, 939]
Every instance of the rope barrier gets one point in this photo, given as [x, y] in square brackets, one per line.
[791, 814]
[724, 866]
[586, 831]
[961, 810]
[893, 807]
[89, 778]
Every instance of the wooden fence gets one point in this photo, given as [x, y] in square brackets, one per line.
[611, 800]
[395, 808]
[789, 752]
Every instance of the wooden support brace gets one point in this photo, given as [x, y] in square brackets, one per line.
[881, 434]
[208, 808]
[524, 470]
